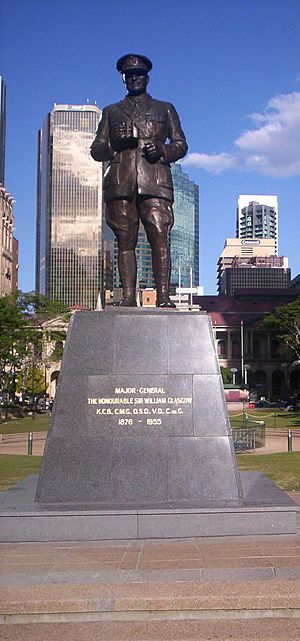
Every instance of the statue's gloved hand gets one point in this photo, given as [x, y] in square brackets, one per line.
[122, 135]
[153, 151]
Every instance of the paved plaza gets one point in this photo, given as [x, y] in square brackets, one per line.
[237, 588]
[199, 589]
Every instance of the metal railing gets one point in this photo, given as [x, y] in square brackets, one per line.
[248, 438]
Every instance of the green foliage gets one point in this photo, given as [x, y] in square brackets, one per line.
[14, 340]
[22, 316]
[284, 323]
[58, 337]
[39, 309]
[31, 381]
[226, 375]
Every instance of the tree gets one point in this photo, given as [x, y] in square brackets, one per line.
[226, 375]
[284, 323]
[57, 337]
[13, 341]
[32, 381]
[22, 318]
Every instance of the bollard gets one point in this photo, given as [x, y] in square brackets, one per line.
[29, 445]
[290, 441]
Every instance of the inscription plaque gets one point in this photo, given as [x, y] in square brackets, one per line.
[163, 404]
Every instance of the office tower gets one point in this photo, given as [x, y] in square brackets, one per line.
[257, 217]
[69, 207]
[184, 237]
[185, 233]
[244, 248]
[269, 272]
[2, 129]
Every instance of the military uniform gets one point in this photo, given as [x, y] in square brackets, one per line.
[136, 189]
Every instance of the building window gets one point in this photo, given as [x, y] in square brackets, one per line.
[221, 349]
[274, 347]
[236, 349]
[256, 348]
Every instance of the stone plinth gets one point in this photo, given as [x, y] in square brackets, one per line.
[140, 416]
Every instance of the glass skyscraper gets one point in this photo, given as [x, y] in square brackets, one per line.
[69, 208]
[184, 237]
[185, 232]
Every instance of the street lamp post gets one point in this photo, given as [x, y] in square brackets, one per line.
[246, 370]
[233, 371]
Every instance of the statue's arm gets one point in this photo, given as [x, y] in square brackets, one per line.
[177, 147]
[101, 148]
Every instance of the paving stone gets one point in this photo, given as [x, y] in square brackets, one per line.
[218, 630]
[151, 596]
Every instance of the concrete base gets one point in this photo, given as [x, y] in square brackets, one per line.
[264, 510]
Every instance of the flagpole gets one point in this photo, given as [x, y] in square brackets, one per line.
[191, 286]
[242, 349]
[179, 283]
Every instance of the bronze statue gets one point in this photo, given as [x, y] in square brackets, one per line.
[138, 184]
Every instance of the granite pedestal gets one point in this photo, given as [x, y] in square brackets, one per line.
[139, 414]
[140, 444]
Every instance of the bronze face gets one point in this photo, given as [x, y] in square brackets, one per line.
[136, 81]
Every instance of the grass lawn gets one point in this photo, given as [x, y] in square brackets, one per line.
[14, 468]
[279, 419]
[283, 468]
[16, 426]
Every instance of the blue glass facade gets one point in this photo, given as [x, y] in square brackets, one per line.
[185, 232]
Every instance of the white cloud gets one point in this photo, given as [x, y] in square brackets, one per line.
[272, 148]
[216, 163]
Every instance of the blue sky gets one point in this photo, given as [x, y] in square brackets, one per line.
[231, 68]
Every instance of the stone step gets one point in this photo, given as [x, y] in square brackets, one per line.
[254, 629]
[111, 601]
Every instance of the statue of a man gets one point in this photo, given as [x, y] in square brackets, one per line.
[138, 184]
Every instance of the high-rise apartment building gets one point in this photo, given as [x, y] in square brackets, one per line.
[69, 207]
[2, 129]
[184, 237]
[257, 217]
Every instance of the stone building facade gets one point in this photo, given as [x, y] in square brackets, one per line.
[8, 246]
[240, 342]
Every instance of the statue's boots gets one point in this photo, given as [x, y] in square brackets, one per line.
[162, 269]
[163, 300]
[127, 271]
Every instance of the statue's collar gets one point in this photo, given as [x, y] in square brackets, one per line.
[142, 99]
